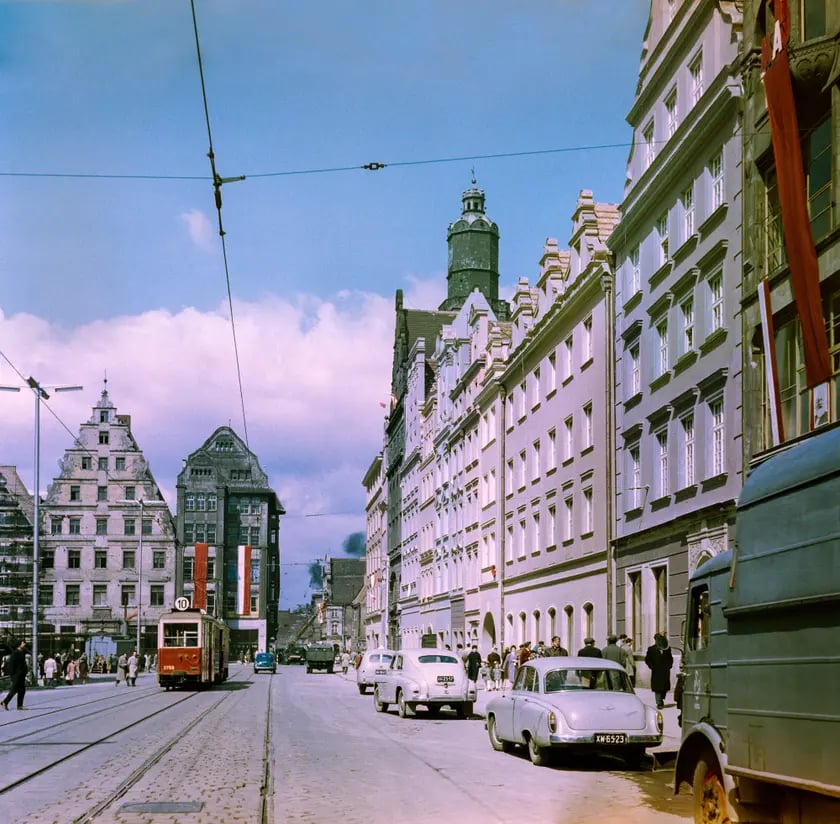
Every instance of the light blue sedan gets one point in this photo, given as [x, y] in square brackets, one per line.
[573, 703]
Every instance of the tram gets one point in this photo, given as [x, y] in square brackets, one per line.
[192, 649]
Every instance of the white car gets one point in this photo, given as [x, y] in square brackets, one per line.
[573, 703]
[432, 678]
[373, 661]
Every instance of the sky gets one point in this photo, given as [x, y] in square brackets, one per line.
[110, 258]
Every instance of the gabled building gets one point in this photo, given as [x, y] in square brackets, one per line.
[228, 525]
[677, 331]
[343, 578]
[108, 551]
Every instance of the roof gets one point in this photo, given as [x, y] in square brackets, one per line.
[572, 662]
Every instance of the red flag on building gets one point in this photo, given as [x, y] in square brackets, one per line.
[200, 577]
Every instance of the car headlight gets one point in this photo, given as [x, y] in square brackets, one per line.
[552, 722]
[660, 725]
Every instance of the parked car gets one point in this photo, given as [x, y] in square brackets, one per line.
[573, 703]
[373, 661]
[265, 662]
[432, 678]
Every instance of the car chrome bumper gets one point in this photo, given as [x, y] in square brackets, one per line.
[564, 740]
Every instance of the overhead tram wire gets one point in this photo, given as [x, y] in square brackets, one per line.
[218, 181]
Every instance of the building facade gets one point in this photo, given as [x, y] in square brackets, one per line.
[228, 525]
[17, 514]
[376, 555]
[676, 339]
[108, 551]
[813, 52]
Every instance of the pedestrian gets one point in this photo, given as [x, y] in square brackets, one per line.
[83, 669]
[40, 668]
[612, 652]
[345, 662]
[358, 661]
[70, 673]
[589, 650]
[132, 669]
[16, 669]
[660, 660]
[556, 649]
[122, 669]
[630, 659]
[494, 665]
[148, 660]
[524, 654]
[473, 665]
[50, 669]
[509, 666]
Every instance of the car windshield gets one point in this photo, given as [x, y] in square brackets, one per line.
[437, 659]
[566, 680]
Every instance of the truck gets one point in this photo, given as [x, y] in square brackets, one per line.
[320, 657]
[761, 696]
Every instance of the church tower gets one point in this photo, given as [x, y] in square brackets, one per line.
[473, 242]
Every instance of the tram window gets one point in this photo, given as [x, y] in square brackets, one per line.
[698, 634]
[180, 635]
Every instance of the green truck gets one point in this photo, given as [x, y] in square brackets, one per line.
[320, 657]
[760, 710]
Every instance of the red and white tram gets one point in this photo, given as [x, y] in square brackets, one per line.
[192, 649]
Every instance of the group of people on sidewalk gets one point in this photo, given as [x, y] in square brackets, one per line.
[499, 672]
[127, 666]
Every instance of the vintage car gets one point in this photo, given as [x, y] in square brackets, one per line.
[432, 678]
[265, 662]
[572, 703]
[373, 661]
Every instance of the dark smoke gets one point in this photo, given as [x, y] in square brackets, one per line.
[354, 544]
[316, 575]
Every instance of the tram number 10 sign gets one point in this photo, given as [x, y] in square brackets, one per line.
[182, 603]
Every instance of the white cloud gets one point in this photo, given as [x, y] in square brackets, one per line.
[199, 229]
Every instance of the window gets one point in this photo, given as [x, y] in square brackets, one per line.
[128, 559]
[211, 569]
[71, 595]
[130, 493]
[103, 437]
[509, 544]
[129, 526]
[75, 526]
[158, 559]
[663, 486]
[211, 502]
[634, 472]
[662, 346]
[569, 446]
[55, 526]
[189, 502]
[716, 302]
[635, 284]
[127, 595]
[74, 559]
[189, 568]
[146, 527]
[551, 457]
[535, 388]
[588, 512]
[201, 502]
[567, 358]
[521, 401]
[699, 618]
[45, 595]
[687, 317]
[75, 493]
[100, 595]
[671, 112]
[101, 493]
[156, 595]
[634, 608]
[635, 371]
[536, 533]
[211, 533]
[101, 526]
[717, 440]
[535, 461]
[552, 525]
[522, 538]
[813, 19]
[86, 462]
[588, 436]
[120, 462]
[687, 202]
[211, 603]
[695, 73]
[774, 247]
[189, 533]
[587, 340]
[200, 533]
[103, 416]
[649, 146]
[47, 559]
[716, 181]
[569, 525]
[551, 380]
[818, 159]
[509, 411]
[660, 603]
[662, 235]
[521, 482]
[100, 559]
[687, 426]
[102, 464]
[509, 478]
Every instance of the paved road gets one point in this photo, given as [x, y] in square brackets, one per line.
[331, 758]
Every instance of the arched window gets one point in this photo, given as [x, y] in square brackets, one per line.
[588, 611]
[537, 637]
[570, 629]
[552, 624]
[522, 620]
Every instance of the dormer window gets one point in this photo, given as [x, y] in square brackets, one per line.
[103, 416]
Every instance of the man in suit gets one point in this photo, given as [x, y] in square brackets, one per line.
[16, 669]
[660, 660]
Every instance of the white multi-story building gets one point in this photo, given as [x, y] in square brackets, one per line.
[376, 555]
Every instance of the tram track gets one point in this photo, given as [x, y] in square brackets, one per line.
[265, 784]
[137, 774]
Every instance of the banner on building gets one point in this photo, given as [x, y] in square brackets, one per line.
[243, 587]
[200, 577]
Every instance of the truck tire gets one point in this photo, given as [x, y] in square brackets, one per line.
[709, 794]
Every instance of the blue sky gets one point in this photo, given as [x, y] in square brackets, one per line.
[126, 275]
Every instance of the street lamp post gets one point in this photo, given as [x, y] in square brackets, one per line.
[40, 394]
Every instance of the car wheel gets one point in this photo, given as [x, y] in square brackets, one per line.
[380, 706]
[709, 794]
[495, 742]
[362, 689]
[403, 707]
[537, 754]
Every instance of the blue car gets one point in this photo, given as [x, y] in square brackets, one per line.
[265, 662]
